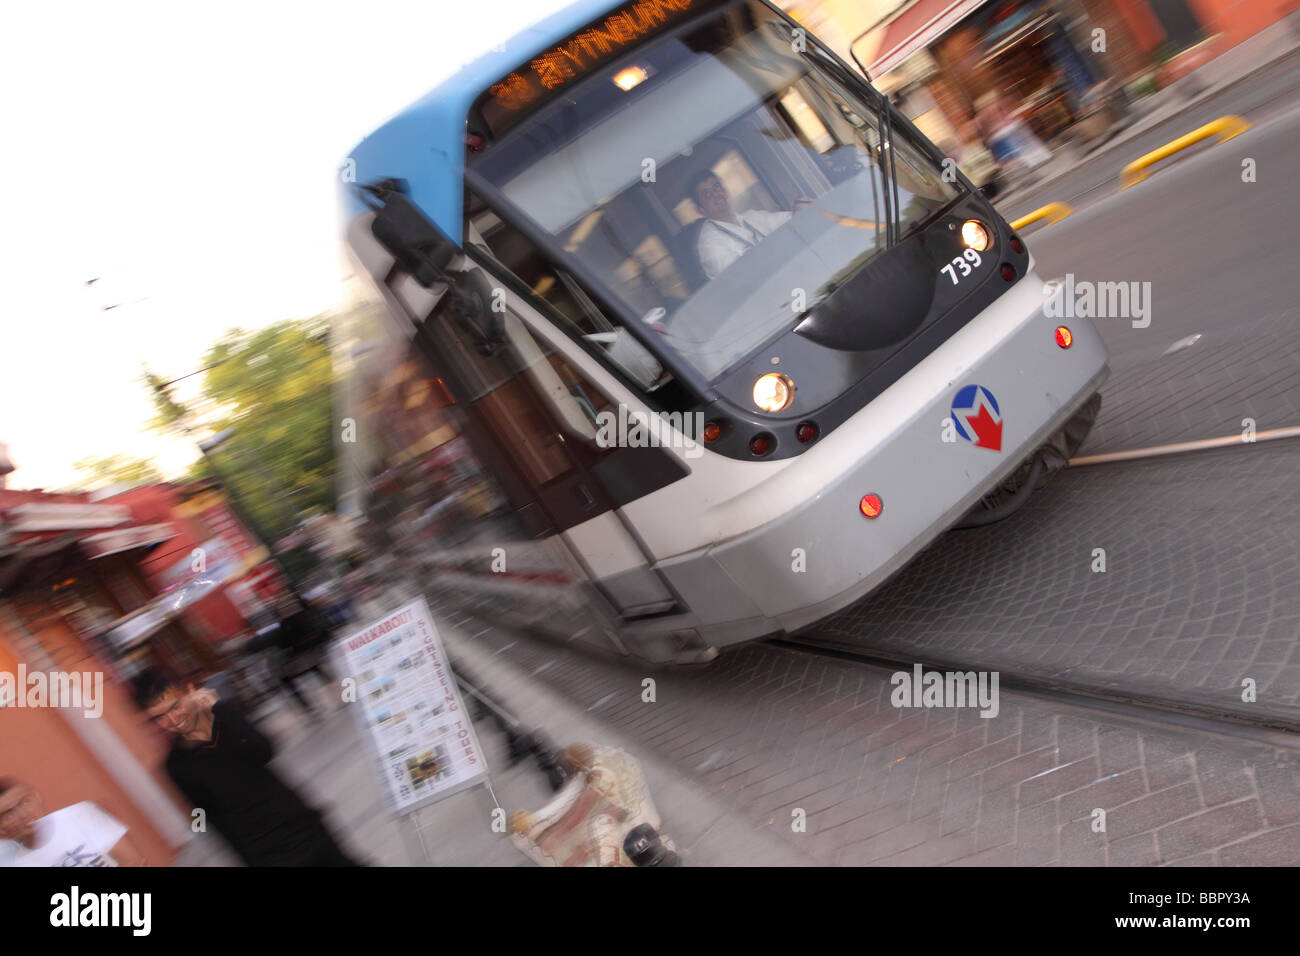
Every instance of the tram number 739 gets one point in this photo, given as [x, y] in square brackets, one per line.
[968, 256]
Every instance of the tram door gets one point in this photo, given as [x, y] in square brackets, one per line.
[533, 416]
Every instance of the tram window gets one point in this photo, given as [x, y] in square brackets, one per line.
[647, 263]
[792, 139]
[811, 129]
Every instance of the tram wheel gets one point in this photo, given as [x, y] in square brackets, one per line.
[1010, 496]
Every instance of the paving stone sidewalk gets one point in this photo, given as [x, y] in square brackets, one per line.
[775, 731]
[329, 764]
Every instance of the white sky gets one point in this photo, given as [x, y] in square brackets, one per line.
[190, 160]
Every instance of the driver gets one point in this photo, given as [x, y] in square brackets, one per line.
[726, 234]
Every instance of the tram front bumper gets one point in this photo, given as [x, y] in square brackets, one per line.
[1005, 388]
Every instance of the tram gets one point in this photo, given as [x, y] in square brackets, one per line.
[669, 332]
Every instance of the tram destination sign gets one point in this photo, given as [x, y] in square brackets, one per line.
[410, 709]
[546, 74]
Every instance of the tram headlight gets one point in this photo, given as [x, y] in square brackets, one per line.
[773, 392]
[975, 236]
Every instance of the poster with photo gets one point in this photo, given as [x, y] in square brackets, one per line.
[410, 708]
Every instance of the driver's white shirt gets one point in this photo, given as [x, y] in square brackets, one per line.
[722, 243]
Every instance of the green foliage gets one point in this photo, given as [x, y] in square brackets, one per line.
[272, 387]
[113, 469]
[275, 384]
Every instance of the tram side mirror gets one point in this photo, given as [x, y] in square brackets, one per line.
[418, 244]
[425, 251]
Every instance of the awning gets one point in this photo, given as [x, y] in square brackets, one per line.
[131, 629]
[124, 539]
[919, 26]
[17, 559]
[190, 588]
[36, 516]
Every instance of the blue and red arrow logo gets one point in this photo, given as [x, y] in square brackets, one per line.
[976, 417]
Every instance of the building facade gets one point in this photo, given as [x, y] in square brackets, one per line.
[1053, 60]
[102, 587]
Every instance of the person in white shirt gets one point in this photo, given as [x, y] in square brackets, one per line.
[727, 235]
[78, 835]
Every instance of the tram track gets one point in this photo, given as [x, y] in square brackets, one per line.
[1267, 729]
[1098, 700]
[1100, 697]
[1185, 447]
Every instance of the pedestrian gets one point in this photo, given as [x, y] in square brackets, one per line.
[304, 636]
[1010, 139]
[296, 642]
[78, 835]
[219, 761]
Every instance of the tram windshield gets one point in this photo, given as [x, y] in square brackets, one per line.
[719, 182]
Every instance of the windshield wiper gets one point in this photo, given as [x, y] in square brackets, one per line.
[885, 130]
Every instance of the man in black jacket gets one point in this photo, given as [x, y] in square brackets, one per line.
[219, 761]
[297, 640]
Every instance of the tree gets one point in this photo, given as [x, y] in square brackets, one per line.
[168, 413]
[272, 388]
[114, 469]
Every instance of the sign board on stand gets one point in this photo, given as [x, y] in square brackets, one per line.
[410, 708]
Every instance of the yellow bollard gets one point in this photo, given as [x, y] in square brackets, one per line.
[1225, 127]
[1052, 212]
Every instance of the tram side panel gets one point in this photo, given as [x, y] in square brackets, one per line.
[428, 406]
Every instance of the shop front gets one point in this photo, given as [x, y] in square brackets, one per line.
[1021, 52]
[70, 569]
[1024, 57]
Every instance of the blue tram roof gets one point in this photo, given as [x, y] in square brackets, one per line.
[425, 143]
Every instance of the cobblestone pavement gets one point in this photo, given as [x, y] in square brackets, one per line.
[1233, 285]
[1198, 591]
[1204, 390]
[775, 730]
